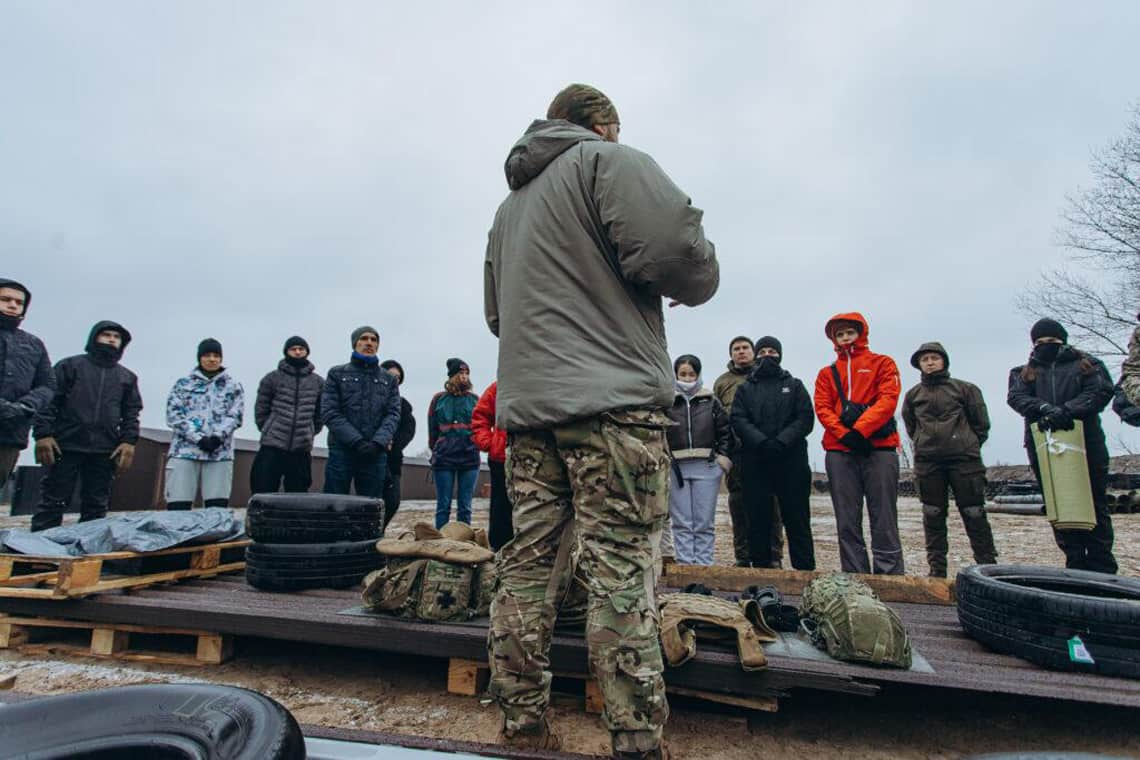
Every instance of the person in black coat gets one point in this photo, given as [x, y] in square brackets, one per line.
[1058, 385]
[27, 382]
[288, 414]
[404, 435]
[772, 415]
[90, 428]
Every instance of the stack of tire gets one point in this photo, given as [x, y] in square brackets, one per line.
[310, 540]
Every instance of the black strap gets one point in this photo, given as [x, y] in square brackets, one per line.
[838, 380]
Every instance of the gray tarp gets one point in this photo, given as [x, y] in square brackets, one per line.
[127, 532]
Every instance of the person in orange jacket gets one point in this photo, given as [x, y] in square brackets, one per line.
[855, 401]
[493, 440]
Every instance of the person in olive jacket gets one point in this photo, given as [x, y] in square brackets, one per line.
[700, 442]
[947, 422]
[1058, 385]
[404, 435]
[90, 429]
[288, 414]
[360, 405]
[772, 416]
[27, 382]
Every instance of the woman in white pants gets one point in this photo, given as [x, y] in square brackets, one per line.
[700, 442]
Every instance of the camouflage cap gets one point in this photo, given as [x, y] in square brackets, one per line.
[583, 105]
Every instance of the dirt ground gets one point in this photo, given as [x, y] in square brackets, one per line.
[405, 695]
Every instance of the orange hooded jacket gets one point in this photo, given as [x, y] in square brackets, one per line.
[487, 437]
[868, 378]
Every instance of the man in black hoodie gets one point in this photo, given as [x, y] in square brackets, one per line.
[772, 415]
[89, 429]
[26, 380]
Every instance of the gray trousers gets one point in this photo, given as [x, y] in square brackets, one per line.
[874, 477]
[184, 476]
[692, 511]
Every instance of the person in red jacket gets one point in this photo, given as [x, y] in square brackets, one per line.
[855, 401]
[493, 440]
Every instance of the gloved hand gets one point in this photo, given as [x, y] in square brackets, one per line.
[1045, 410]
[1131, 416]
[124, 454]
[210, 443]
[1062, 419]
[47, 451]
[855, 441]
[724, 462]
[774, 448]
[368, 449]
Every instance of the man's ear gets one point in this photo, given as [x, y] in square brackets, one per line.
[599, 130]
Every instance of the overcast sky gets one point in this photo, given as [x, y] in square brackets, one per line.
[252, 170]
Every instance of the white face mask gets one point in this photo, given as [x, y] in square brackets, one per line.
[689, 388]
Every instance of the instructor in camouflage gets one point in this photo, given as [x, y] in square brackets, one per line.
[592, 236]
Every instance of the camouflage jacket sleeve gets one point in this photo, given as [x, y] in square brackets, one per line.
[1130, 371]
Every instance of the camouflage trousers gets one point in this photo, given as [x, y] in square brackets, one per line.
[606, 479]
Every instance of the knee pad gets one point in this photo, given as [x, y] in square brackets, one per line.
[933, 510]
[973, 513]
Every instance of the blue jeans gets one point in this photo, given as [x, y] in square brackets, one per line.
[445, 481]
[344, 467]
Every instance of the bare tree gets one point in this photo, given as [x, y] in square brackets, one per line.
[1097, 295]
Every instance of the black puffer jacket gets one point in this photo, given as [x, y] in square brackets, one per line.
[1075, 381]
[288, 408]
[360, 402]
[27, 383]
[946, 418]
[96, 404]
[404, 435]
[702, 430]
[772, 405]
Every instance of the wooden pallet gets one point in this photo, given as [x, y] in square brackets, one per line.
[470, 678]
[890, 588]
[71, 577]
[113, 640]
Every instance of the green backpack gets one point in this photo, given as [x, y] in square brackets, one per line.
[845, 618]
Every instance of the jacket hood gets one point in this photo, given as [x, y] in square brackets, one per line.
[701, 393]
[543, 141]
[289, 369]
[107, 324]
[861, 343]
[930, 347]
[6, 283]
[739, 370]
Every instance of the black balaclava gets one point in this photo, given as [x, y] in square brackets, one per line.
[768, 366]
[293, 361]
[209, 346]
[1046, 353]
[8, 322]
[101, 353]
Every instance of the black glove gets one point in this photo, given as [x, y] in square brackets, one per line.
[210, 443]
[1045, 411]
[773, 448]
[855, 441]
[1131, 416]
[1062, 419]
[368, 449]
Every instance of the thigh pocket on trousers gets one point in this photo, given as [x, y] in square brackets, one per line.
[637, 463]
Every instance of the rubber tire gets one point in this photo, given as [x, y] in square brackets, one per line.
[338, 548]
[271, 504]
[315, 532]
[1034, 617]
[275, 583]
[152, 721]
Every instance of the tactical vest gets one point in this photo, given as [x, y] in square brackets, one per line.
[685, 617]
[432, 575]
[845, 618]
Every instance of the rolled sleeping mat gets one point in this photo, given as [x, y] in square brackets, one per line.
[1016, 509]
[1065, 477]
[1035, 498]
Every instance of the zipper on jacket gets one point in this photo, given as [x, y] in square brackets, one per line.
[296, 403]
[99, 395]
[689, 412]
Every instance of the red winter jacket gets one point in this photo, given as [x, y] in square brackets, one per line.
[487, 437]
[868, 378]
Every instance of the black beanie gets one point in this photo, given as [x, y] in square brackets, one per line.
[388, 364]
[296, 340]
[209, 346]
[689, 359]
[769, 342]
[455, 366]
[1048, 328]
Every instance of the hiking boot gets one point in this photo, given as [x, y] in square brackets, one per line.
[537, 737]
[661, 753]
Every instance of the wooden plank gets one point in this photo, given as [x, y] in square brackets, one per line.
[5, 568]
[40, 559]
[12, 635]
[42, 622]
[77, 574]
[73, 590]
[205, 559]
[214, 648]
[76, 650]
[595, 702]
[109, 641]
[466, 677]
[890, 588]
[50, 576]
[763, 704]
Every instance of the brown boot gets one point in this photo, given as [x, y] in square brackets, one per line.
[538, 737]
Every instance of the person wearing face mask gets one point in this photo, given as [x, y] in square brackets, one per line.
[701, 441]
[27, 383]
[404, 435]
[1058, 385]
[855, 400]
[454, 456]
[360, 405]
[288, 414]
[947, 422]
[204, 410]
[89, 431]
[772, 417]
